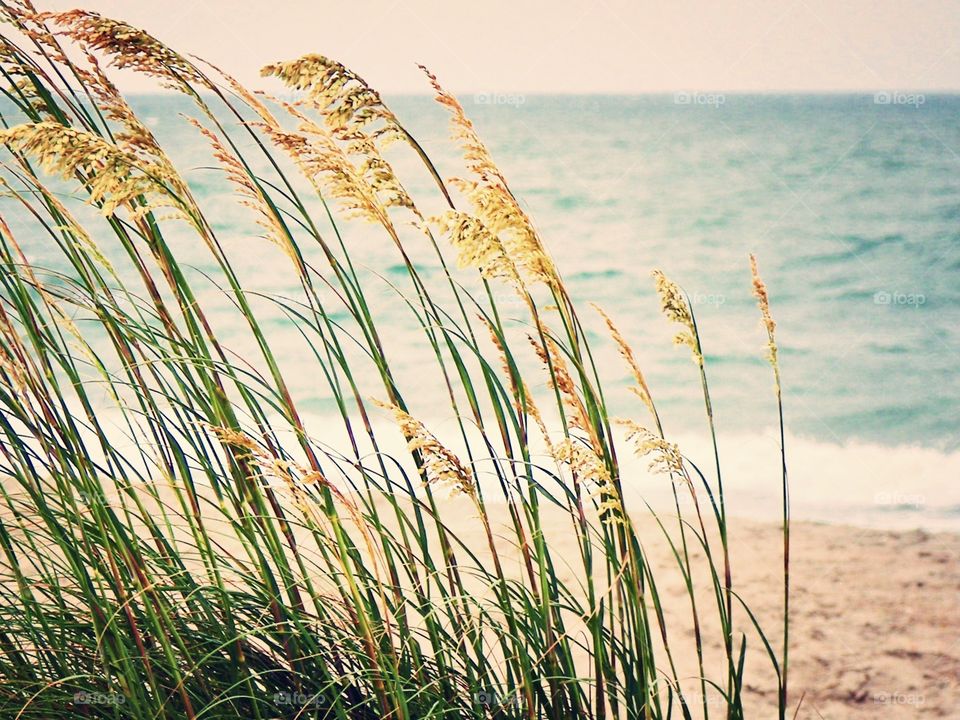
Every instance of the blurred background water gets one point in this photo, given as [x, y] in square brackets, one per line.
[852, 208]
[851, 205]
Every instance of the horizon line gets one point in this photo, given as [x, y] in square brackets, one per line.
[633, 93]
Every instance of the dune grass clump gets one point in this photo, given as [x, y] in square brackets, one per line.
[179, 540]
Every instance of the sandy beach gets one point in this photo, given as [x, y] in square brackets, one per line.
[875, 614]
[876, 618]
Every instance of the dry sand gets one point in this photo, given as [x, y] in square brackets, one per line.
[875, 616]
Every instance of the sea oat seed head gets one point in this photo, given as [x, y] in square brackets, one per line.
[763, 299]
[440, 466]
[666, 455]
[588, 466]
[127, 46]
[675, 306]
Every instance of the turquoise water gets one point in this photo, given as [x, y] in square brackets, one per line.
[851, 206]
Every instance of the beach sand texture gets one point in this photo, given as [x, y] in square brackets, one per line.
[875, 618]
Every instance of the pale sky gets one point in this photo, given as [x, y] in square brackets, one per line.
[612, 46]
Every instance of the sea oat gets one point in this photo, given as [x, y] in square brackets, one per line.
[440, 465]
[114, 177]
[666, 457]
[588, 466]
[354, 116]
[292, 475]
[252, 196]
[324, 164]
[491, 198]
[17, 9]
[348, 104]
[561, 380]
[763, 299]
[641, 389]
[675, 306]
[365, 190]
[291, 478]
[61, 316]
[18, 71]
[133, 136]
[70, 227]
[477, 246]
[237, 439]
[517, 387]
[23, 15]
[126, 131]
[12, 375]
[250, 98]
[127, 46]
[378, 173]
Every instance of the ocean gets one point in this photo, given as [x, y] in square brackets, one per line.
[851, 204]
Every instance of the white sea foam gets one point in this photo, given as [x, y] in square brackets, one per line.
[860, 484]
[857, 483]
